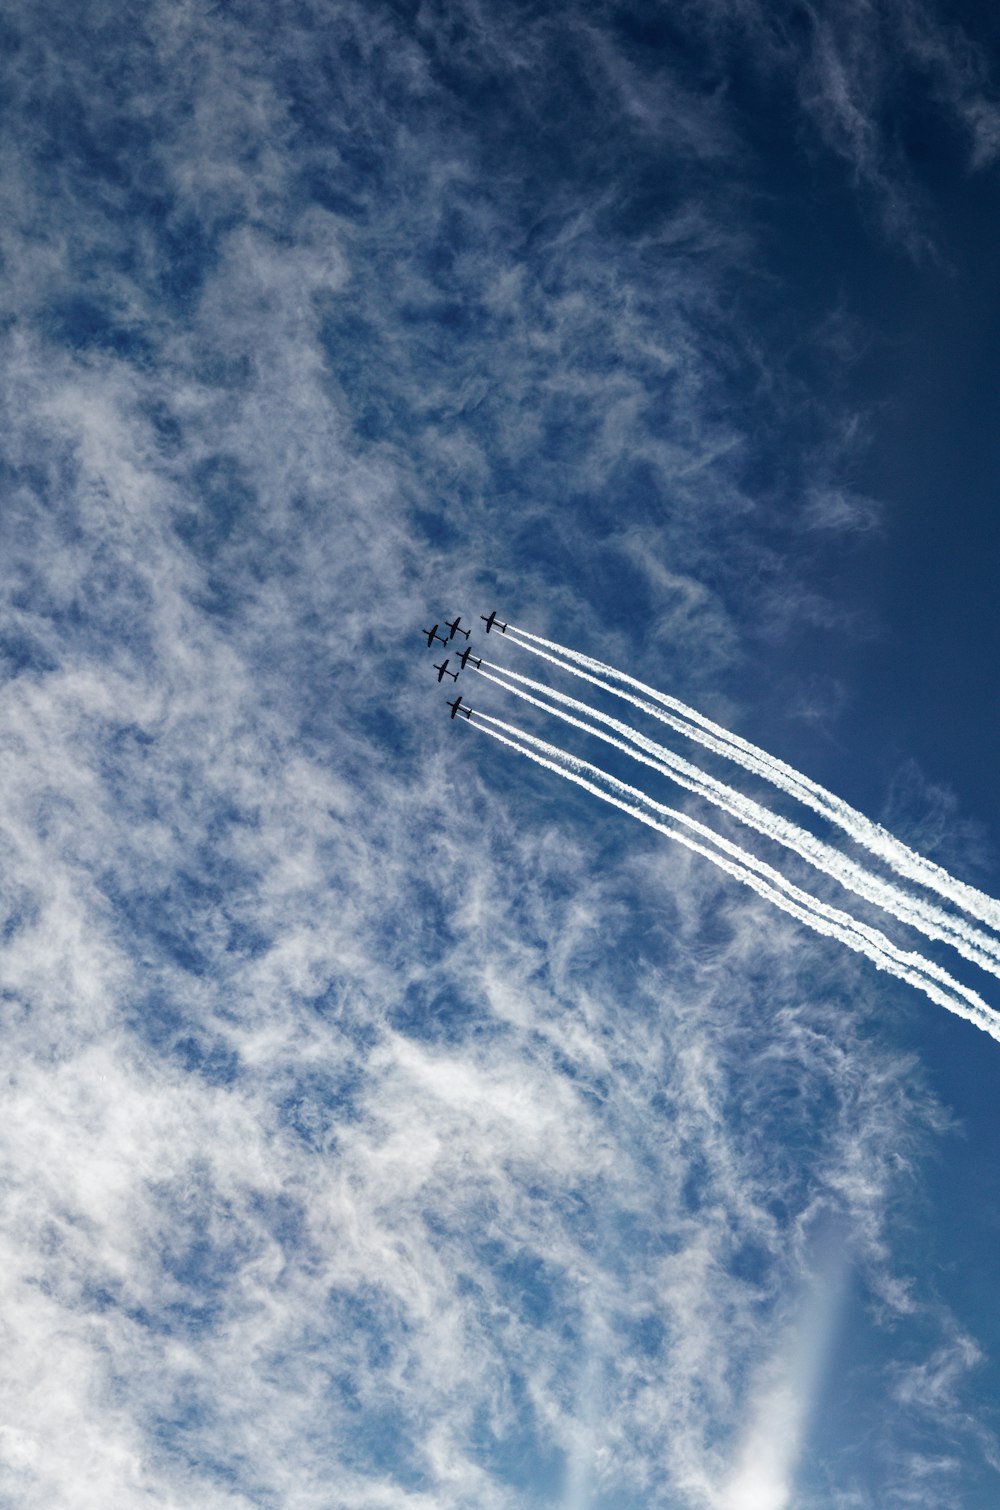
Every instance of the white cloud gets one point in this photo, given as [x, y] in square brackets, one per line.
[372, 1120]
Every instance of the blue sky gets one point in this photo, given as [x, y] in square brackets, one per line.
[389, 1124]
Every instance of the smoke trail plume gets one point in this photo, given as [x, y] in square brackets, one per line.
[980, 948]
[768, 883]
[872, 836]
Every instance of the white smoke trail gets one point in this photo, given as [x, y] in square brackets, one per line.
[783, 1394]
[872, 836]
[761, 878]
[980, 948]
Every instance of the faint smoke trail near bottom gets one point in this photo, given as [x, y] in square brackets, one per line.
[784, 1392]
[580, 1454]
[935, 983]
[872, 836]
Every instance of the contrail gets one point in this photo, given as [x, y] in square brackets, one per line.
[759, 877]
[872, 836]
[978, 947]
[749, 861]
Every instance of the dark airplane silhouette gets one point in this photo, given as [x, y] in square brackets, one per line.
[467, 655]
[456, 707]
[455, 629]
[489, 622]
[433, 635]
[443, 671]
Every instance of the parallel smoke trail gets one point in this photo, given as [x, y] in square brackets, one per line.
[750, 862]
[862, 830]
[761, 878]
[930, 920]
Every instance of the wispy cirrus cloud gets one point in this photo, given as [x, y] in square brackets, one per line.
[863, 76]
[376, 1121]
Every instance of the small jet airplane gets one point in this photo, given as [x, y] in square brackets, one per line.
[489, 622]
[443, 671]
[433, 635]
[456, 707]
[467, 655]
[454, 628]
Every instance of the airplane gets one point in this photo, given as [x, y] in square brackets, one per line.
[489, 622]
[456, 707]
[433, 635]
[454, 628]
[465, 656]
[443, 671]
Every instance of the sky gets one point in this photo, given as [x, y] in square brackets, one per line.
[390, 1124]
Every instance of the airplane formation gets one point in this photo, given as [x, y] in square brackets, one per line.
[454, 627]
[970, 924]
